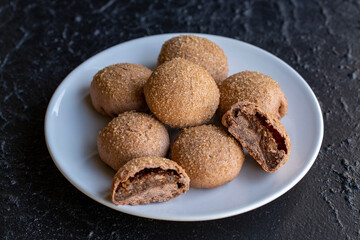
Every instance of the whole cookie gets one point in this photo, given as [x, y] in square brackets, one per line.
[132, 135]
[181, 94]
[148, 179]
[119, 88]
[263, 136]
[253, 87]
[209, 155]
[197, 50]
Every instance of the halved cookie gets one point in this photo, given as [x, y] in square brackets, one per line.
[148, 179]
[263, 136]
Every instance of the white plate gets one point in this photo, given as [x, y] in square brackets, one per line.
[71, 129]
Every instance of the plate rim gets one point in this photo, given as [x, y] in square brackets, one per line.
[204, 217]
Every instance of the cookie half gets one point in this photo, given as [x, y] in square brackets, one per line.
[148, 179]
[263, 136]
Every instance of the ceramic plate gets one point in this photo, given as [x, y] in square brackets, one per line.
[72, 126]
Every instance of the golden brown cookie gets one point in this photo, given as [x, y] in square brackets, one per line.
[263, 136]
[253, 87]
[119, 88]
[181, 94]
[132, 135]
[148, 179]
[209, 155]
[197, 50]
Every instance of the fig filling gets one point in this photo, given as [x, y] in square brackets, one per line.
[146, 179]
[270, 141]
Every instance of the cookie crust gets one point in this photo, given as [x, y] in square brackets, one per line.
[253, 87]
[181, 94]
[209, 155]
[198, 50]
[119, 88]
[132, 135]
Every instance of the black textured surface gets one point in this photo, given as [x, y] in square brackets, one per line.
[41, 42]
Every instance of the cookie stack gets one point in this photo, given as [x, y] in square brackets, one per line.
[184, 92]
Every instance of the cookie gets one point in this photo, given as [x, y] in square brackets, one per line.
[209, 155]
[181, 94]
[253, 87]
[148, 179]
[119, 88]
[260, 133]
[197, 50]
[132, 135]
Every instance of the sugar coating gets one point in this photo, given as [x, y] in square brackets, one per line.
[132, 135]
[253, 87]
[209, 155]
[197, 50]
[181, 94]
[119, 88]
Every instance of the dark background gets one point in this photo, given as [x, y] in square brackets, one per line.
[41, 42]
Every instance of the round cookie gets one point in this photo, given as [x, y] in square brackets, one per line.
[253, 87]
[197, 50]
[148, 179]
[181, 94]
[119, 88]
[132, 135]
[209, 155]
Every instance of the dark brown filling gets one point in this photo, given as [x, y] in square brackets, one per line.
[276, 135]
[271, 143]
[144, 180]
